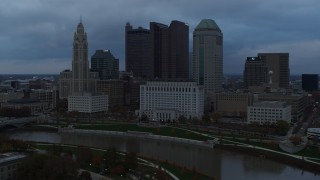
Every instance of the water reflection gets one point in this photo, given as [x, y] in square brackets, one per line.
[224, 165]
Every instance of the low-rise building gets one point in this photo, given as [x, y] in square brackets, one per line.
[298, 102]
[268, 112]
[233, 104]
[88, 103]
[167, 100]
[9, 163]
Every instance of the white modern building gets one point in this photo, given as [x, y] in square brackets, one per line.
[166, 100]
[208, 58]
[268, 111]
[88, 103]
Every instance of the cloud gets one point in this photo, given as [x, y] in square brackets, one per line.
[34, 30]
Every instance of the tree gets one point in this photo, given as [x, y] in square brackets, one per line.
[111, 158]
[43, 166]
[295, 140]
[144, 118]
[131, 161]
[215, 116]
[282, 127]
[206, 118]
[182, 119]
[84, 155]
[85, 175]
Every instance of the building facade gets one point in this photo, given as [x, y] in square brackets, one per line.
[9, 164]
[310, 82]
[161, 52]
[278, 63]
[105, 64]
[165, 100]
[268, 112]
[80, 79]
[208, 58]
[137, 51]
[114, 89]
[80, 85]
[255, 72]
[233, 104]
[298, 102]
[88, 103]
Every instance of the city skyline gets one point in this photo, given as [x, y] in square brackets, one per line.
[37, 34]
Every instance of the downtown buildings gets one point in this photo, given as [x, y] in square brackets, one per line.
[208, 59]
[79, 85]
[160, 52]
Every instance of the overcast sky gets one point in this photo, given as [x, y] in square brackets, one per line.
[36, 35]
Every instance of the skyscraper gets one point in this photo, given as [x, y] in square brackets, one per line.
[169, 50]
[137, 51]
[278, 63]
[208, 56]
[105, 64]
[161, 52]
[80, 79]
[255, 72]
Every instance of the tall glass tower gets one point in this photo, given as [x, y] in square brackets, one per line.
[208, 56]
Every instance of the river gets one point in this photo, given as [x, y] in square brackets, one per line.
[231, 165]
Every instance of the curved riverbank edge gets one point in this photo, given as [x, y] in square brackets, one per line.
[276, 156]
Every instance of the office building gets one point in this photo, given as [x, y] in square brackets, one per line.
[166, 100]
[9, 164]
[269, 112]
[255, 72]
[80, 85]
[80, 79]
[88, 103]
[310, 82]
[208, 59]
[169, 50]
[105, 64]
[278, 63]
[298, 102]
[137, 51]
[114, 89]
[161, 52]
[233, 104]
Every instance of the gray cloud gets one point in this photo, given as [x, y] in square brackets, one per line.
[38, 33]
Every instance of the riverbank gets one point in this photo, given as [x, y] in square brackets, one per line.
[283, 158]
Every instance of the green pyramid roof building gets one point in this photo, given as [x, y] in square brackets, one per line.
[208, 24]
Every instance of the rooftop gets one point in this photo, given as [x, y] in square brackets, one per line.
[208, 24]
[270, 104]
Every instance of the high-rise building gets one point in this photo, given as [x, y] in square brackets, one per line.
[278, 63]
[272, 68]
[137, 51]
[79, 85]
[310, 82]
[80, 79]
[208, 58]
[105, 64]
[255, 72]
[169, 50]
[161, 52]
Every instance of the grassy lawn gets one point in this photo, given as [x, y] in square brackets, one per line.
[181, 173]
[164, 131]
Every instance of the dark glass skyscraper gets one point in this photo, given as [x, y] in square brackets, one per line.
[137, 51]
[106, 64]
[161, 52]
[255, 72]
[169, 50]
